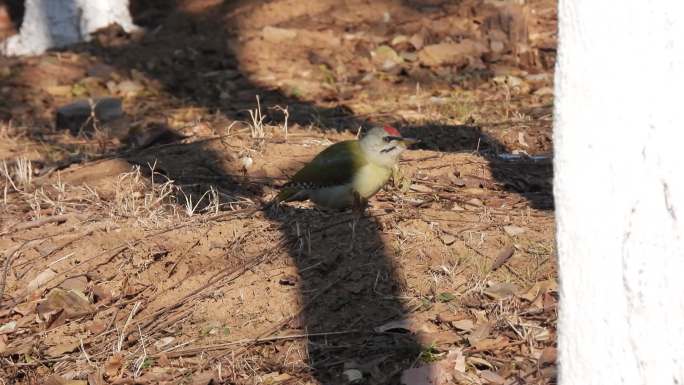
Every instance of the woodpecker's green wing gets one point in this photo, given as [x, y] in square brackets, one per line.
[336, 165]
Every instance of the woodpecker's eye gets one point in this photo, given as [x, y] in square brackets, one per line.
[387, 138]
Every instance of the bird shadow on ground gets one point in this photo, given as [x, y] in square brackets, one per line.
[342, 289]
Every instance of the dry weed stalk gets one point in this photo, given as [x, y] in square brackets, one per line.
[287, 116]
[256, 128]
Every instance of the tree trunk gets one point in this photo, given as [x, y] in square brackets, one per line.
[56, 23]
[619, 190]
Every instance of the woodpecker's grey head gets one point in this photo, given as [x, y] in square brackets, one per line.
[384, 145]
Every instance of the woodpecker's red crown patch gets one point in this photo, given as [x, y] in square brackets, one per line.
[392, 131]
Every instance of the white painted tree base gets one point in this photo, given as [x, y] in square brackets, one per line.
[56, 23]
[619, 191]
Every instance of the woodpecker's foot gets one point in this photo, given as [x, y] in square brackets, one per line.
[359, 205]
[352, 244]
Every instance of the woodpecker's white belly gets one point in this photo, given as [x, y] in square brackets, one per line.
[368, 180]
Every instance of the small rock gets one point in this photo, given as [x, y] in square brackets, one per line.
[352, 376]
[130, 88]
[277, 35]
[76, 117]
[448, 239]
[386, 57]
[450, 53]
[398, 40]
[152, 133]
[417, 41]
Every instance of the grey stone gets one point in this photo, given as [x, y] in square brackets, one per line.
[78, 116]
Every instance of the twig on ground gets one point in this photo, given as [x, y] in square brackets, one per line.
[40, 222]
[251, 341]
[9, 255]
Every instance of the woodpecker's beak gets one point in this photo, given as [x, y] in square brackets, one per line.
[410, 141]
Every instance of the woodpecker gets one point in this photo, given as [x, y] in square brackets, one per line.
[346, 174]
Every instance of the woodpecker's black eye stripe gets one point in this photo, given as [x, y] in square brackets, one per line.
[391, 138]
[388, 149]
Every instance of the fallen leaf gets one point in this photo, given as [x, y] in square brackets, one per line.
[421, 188]
[163, 360]
[205, 378]
[539, 289]
[277, 35]
[352, 376]
[73, 303]
[492, 377]
[464, 324]
[163, 342]
[445, 297]
[549, 302]
[113, 365]
[491, 343]
[65, 346]
[8, 327]
[481, 332]
[479, 361]
[474, 202]
[403, 324]
[449, 316]
[95, 378]
[102, 294]
[75, 283]
[437, 338]
[548, 356]
[542, 335]
[54, 380]
[437, 373]
[275, 378]
[408, 324]
[26, 308]
[40, 280]
[500, 291]
[97, 327]
[549, 372]
[504, 255]
[514, 231]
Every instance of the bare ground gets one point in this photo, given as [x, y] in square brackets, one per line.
[137, 253]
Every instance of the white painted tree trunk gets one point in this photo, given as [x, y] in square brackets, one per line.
[56, 23]
[619, 190]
